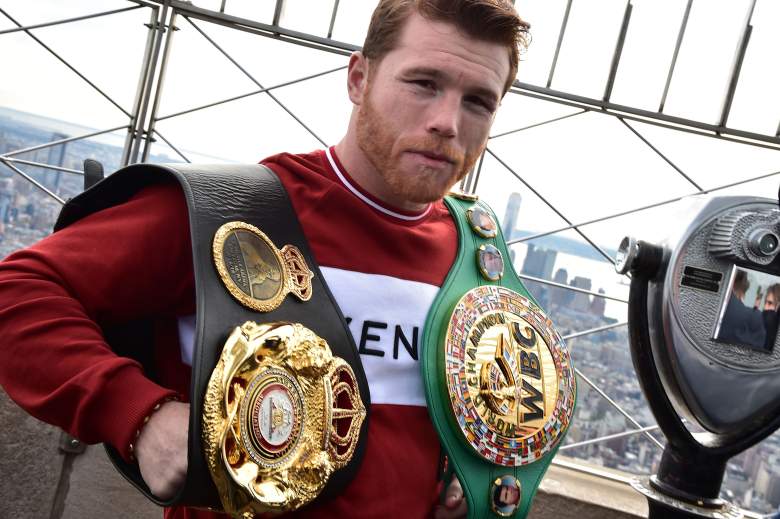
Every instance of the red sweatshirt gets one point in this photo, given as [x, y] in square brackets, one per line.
[131, 261]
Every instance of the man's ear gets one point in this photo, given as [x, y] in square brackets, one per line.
[357, 77]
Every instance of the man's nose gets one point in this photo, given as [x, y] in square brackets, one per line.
[443, 116]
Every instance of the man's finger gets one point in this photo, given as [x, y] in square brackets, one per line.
[442, 512]
[455, 506]
[454, 494]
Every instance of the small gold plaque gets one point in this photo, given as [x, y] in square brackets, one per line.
[462, 195]
[255, 272]
[281, 414]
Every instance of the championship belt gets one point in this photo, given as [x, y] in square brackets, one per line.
[273, 426]
[278, 410]
[498, 378]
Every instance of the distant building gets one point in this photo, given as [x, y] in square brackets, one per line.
[738, 481]
[561, 296]
[644, 454]
[618, 445]
[6, 199]
[580, 302]
[539, 262]
[773, 490]
[751, 461]
[763, 479]
[542, 295]
[598, 304]
[57, 156]
[509, 225]
[52, 155]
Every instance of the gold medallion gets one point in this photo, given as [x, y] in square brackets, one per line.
[506, 494]
[280, 415]
[509, 376]
[255, 272]
[481, 221]
[490, 262]
[272, 411]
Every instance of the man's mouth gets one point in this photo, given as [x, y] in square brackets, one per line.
[433, 156]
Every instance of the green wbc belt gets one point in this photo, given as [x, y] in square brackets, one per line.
[498, 378]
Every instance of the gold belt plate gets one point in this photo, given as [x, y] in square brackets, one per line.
[281, 414]
[509, 376]
[254, 271]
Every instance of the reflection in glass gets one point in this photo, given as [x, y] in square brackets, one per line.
[749, 313]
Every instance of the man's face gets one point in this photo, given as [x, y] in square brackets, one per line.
[770, 303]
[508, 496]
[428, 106]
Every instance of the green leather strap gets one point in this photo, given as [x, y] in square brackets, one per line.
[475, 473]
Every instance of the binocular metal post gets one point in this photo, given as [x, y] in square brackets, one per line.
[689, 478]
[685, 361]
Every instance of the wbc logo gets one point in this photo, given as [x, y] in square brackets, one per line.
[509, 378]
[512, 385]
[504, 359]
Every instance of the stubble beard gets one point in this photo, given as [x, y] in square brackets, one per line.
[384, 151]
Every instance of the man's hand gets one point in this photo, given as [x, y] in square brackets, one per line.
[455, 505]
[161, 449]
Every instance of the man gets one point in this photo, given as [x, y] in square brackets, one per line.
[425, 91]
[770, 315]
[742, 324]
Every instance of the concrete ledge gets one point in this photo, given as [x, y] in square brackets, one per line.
[30, 463]
[98, 490]
[566, 493]
[33, 484]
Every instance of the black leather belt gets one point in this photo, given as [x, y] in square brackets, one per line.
[217, 194]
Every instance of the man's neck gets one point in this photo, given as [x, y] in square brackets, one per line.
[362, 171]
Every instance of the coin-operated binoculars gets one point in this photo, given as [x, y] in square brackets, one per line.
[703, 331]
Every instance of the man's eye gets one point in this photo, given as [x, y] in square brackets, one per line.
[426, 84]
[480, 104]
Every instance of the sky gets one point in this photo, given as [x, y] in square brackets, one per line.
[588, 166]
